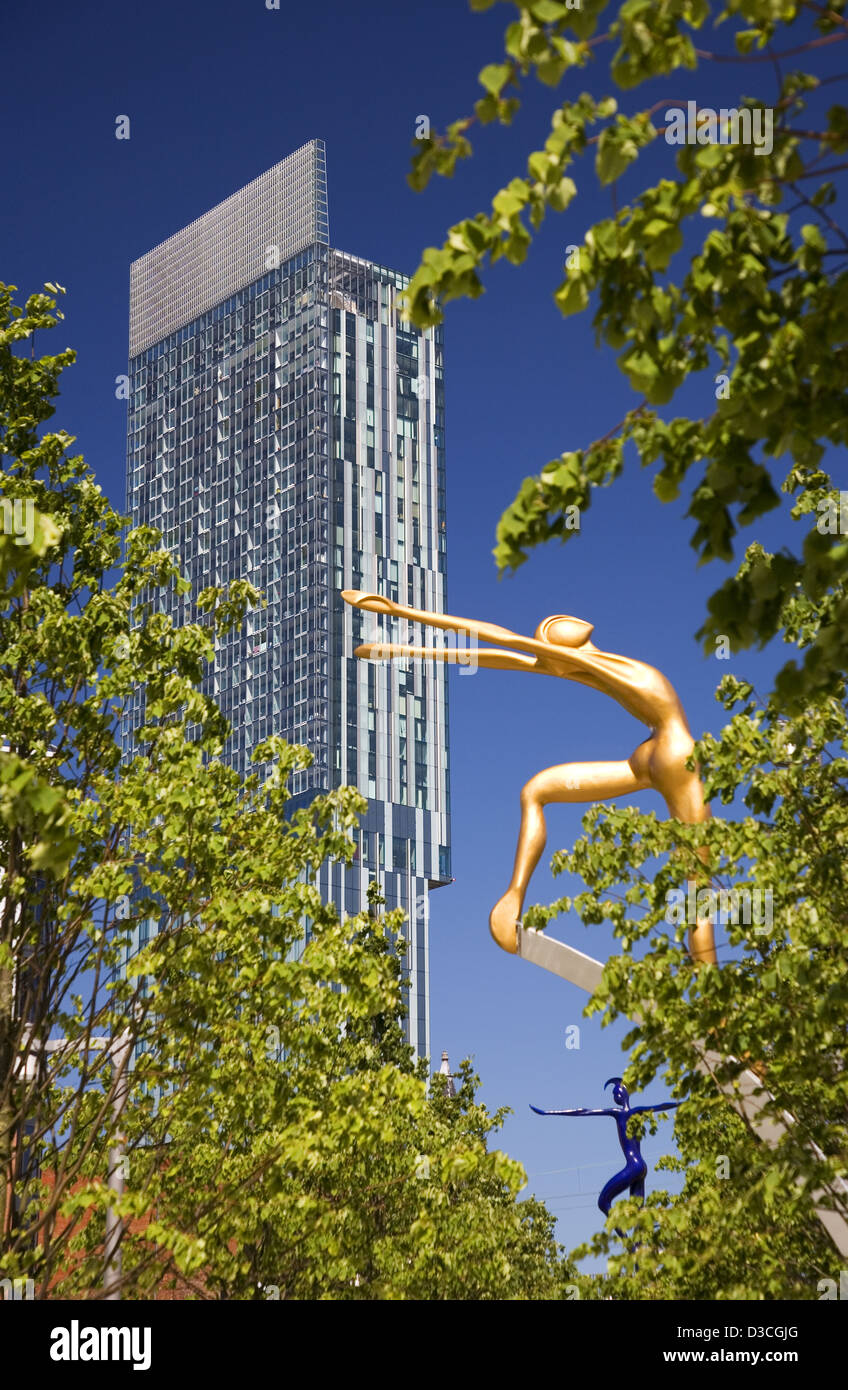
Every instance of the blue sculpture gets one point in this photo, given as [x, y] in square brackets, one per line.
[635, 1170]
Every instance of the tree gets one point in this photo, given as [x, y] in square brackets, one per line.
[744, 1226]
[738, 1229]
[272, 1124]
[377, 1188]
[761, 301]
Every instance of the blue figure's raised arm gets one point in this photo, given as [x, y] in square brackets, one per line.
[572, 1112]
[664, 1105]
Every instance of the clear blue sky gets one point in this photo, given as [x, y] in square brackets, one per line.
[217, 93]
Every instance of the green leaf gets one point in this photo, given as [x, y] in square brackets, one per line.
[548, 11]
[572, 296]
[494, 76]
[615, 153]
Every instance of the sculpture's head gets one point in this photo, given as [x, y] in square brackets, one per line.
[564, 631]
[620, 1093]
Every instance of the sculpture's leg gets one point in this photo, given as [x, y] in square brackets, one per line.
[614, 1188]
[567, 782]
[690, 808]
[702, 947]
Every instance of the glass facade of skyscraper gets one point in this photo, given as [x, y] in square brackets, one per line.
[286, 426]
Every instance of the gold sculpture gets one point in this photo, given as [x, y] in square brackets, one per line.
[561, 646]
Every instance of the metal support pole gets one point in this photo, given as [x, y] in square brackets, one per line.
[118, 1051]
[120, 1057]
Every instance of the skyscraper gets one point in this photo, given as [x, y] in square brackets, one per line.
[286, 426]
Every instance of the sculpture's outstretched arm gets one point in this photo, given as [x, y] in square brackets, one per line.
[664, 1105]
[573, 1112]
[487, 632]
[483, 656]
[614, 676]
